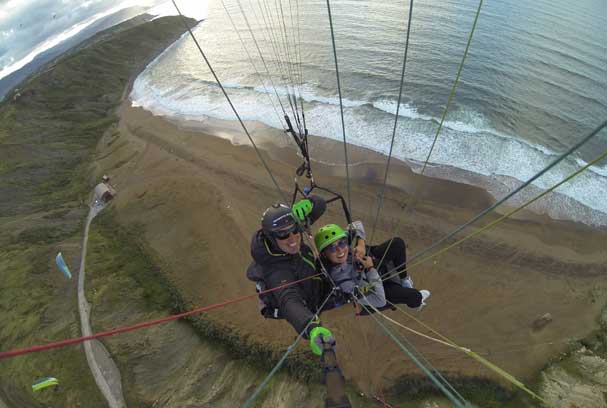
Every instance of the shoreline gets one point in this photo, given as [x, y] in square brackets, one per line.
[369, 166]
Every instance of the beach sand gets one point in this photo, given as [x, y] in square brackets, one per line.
[198, 190]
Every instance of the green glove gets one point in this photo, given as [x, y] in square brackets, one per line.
[302, 209]
[367, 288]
[319, 336]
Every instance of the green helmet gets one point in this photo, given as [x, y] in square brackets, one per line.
[327, 235]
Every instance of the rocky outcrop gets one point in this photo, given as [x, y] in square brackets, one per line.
[578, 381]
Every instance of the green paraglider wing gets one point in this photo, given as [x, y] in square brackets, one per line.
[44, 382]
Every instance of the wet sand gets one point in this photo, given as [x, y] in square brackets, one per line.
[199, 191]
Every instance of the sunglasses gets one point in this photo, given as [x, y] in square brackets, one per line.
[342, 243]
[284, 234]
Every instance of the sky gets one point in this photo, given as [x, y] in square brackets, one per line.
[29, 27]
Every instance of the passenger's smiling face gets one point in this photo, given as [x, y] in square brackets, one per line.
[337, 252]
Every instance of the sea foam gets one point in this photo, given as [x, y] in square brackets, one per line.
[467, 140]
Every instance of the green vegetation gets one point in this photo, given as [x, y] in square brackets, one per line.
[122, 280]
[51, 124]
[117, 252]
[46, 234]
[39, 306]
[597, 342]
[479, 391]
[49, 128]
[137, 272]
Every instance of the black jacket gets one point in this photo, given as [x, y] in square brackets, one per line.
[297, 303]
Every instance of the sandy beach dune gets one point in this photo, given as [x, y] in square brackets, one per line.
[199, 192]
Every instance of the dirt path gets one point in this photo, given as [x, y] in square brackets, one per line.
[103, 368]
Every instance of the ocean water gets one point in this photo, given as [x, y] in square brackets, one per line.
[534, 83]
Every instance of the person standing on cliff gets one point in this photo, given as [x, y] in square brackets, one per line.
[279, 257]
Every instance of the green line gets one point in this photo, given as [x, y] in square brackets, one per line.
[266, 380]
[452, 94]
[502, 218]
[425, 370]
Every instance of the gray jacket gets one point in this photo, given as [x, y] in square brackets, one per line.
[347, 277]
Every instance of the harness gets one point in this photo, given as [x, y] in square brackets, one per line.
[267, 306]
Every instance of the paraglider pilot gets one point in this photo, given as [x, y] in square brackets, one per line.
[279, 257]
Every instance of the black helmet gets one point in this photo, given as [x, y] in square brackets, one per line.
[275, 218]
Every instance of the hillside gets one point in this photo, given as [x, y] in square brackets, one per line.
[177, 236]
[48, 133]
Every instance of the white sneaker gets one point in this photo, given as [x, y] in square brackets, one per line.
[406, 282]
[425, 295]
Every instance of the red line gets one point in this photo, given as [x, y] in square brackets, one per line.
[63, 343]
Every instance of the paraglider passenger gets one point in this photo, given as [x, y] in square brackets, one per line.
[280, 256]
[355, 273]
[350, 275]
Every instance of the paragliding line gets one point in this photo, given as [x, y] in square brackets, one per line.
[257, 71]
[450, 343]
[500, 202]
[457, 402]
[230, 102]
[400, 94]
[261, 56]
[289, 63]
[502, 218]
[452, 94]
[421, 355]
[264, 383]
[341, 105]
[63, 343]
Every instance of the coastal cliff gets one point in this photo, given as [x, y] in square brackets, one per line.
[177, 237]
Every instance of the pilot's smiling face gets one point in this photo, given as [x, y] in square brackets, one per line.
[288, 240]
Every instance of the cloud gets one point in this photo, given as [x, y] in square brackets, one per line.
[30, 27]
[28, 23]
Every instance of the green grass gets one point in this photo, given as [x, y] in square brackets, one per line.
[47, 141]
[121, 265]
[49, 133]
[122, 280]
[479, 391]
[36, 304]
[117, 252]
[54, 215]
[44, 235]
[597, 341]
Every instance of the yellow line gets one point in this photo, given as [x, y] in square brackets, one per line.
[502, 218]
[465, 350]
